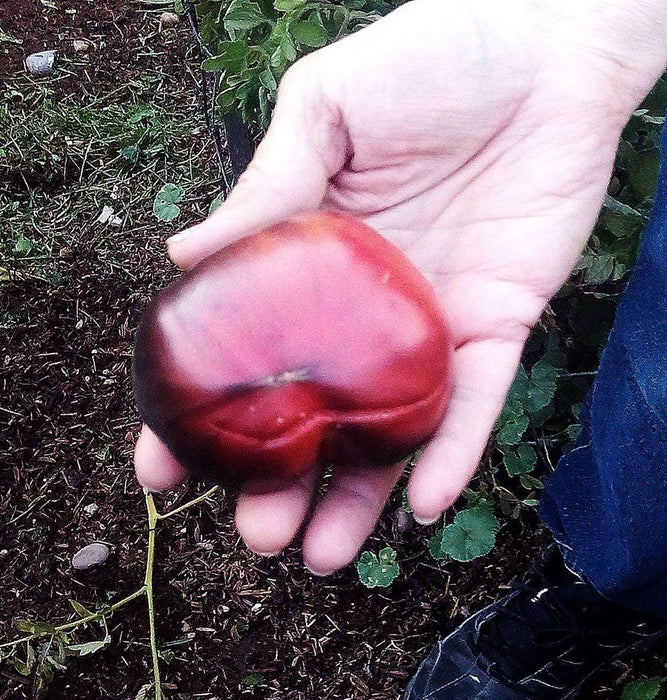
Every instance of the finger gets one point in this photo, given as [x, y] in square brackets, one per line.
[347, 515]
[483, 372]
[155, 467]
[270, 513]
[304, 146]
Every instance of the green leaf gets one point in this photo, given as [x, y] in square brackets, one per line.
[520, 461]
[226, 100]
[253, 679]
[25, 626]
[130, 153]
[599, 268]
[90, 647]
[471, 535]
[243, 15]
[643, 689]
[512, 431]
[232, 58]
[22, 667]
[43, 628]
[310, 32]
[616, 207]
[267, 79]
[287, 48]
[219, 199]
[287, 5]
[79, 609]
[139, 112]
[164, 205]
[377, 570]
[530, 482]
[435, 546]
[145, 692]
[23, 245]
[167, 655]
[25, 667]
[8, 38]
[519, 389]
[542, 385]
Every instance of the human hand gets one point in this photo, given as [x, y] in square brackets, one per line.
[478, 139]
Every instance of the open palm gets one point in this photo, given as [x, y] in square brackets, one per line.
[481, 148]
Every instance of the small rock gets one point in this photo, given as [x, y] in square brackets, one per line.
[169, 19]
[91, 555]
[403, 521]
[40, 63]
[91, 509]
[80, 46]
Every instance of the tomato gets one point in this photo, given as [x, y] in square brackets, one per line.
[314, 341]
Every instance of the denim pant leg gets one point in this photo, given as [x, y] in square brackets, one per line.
[606, 503]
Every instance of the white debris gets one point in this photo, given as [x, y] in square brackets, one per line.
[91, 509]
[109, 217]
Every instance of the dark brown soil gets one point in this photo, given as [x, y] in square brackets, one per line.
[67, 428]
[106, 25]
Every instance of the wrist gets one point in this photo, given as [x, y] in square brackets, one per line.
[626, 38]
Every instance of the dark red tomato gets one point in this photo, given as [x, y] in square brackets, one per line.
[313, 341]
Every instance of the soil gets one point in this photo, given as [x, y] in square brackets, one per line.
[67, 429]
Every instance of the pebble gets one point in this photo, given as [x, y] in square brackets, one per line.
[90, 555]
[80, 46]
[403, 521]
[40, 63]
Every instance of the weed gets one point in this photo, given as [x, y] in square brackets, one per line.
[47, 646]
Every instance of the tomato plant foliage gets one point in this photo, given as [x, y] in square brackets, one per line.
[253, 42]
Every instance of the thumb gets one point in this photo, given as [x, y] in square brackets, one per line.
[303, 148]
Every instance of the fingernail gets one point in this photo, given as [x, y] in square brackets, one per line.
[177, 237]
[267, 554]
[320, 574]
[426, 521]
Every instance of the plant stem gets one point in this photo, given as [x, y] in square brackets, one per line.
[82, 621]
[193, 502]
[153, 517]
[147, 589]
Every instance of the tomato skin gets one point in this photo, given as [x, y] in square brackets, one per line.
[312, 341]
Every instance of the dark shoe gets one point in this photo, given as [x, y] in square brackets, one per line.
[541, 641]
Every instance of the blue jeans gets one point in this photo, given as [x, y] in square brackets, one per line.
[606, 503]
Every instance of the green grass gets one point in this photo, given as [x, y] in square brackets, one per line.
[62, 161]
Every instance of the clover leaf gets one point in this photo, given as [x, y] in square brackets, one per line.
[378, 570]
[165, 204]
[471, 535]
